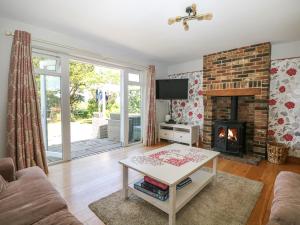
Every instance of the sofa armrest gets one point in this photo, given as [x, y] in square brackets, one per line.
[7, 169]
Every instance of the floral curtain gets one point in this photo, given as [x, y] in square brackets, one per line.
[24, 134]
[150, 138]
[284, 103]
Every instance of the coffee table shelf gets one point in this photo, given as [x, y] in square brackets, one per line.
[199, 180]
[171, 165]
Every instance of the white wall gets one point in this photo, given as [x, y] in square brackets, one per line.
[100, 48]
[162, 109]
[189, 66]
[285, 50]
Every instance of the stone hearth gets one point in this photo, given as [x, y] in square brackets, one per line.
[242, 72]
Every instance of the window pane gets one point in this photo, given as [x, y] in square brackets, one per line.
[49, 92]
[134, 77]
[45, 63]
[134, 100]
[134, 113]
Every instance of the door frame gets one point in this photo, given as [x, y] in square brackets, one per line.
[125, 120]
[63, 73]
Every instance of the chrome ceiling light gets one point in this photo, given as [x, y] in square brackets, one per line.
[192, 15]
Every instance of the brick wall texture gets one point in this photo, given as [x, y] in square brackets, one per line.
[243, 68]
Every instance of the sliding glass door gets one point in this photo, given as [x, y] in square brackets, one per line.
[49, 92]
[50, 102]
[86, 108]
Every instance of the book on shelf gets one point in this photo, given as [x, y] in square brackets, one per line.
[156, 183]
[157, 192]
[154, 188]
[183, 183]
[139, 187]
[152, 183]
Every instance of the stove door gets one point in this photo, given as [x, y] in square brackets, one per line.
[233, 143]
[220, 138]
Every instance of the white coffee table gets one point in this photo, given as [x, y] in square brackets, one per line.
[170, 165]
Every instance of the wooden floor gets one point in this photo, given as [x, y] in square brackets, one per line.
[85, 180]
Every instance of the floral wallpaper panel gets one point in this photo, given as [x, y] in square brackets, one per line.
[284, 103]
[190, 110]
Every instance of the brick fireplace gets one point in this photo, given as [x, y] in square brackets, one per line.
[242, 72]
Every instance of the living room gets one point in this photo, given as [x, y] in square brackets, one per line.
[185, 113]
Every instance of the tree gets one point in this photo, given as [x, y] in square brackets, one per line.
[92, 106]
[108, 75]
[112, 105]
[85, 76]
[82, 76]
[134, 101]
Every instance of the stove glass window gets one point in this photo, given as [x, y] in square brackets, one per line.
[221, 132]
[232, 134]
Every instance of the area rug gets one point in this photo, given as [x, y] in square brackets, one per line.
[228, 200]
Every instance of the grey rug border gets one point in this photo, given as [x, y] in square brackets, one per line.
[261, 185]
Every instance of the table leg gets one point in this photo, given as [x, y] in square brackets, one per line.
[215, 165]
[172, 198]
[125, 182]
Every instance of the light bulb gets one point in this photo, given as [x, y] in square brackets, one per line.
[200, 17]
[208, 16]
[171, 21]
[186, 27]
[194, 7]
[177, 18]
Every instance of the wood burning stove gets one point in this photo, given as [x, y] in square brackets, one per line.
[229, 135]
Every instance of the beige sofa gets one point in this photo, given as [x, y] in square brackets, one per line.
[29, 198]
[286, 203]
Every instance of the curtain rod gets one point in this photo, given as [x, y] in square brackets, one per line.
[295, 57]
[95, 55]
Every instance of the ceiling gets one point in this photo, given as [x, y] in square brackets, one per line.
[141, 25]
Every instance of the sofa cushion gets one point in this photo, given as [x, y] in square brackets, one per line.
[3, 184]
[62, 217]
[29, 199]
[286, 203]
[31, 173]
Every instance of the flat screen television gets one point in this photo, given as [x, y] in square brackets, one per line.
[172, 89]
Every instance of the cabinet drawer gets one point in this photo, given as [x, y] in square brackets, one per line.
[182, 137]
[166, 134]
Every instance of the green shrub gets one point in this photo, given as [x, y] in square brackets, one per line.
[81, 114]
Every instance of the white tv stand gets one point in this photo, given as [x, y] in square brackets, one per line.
[188, 134]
